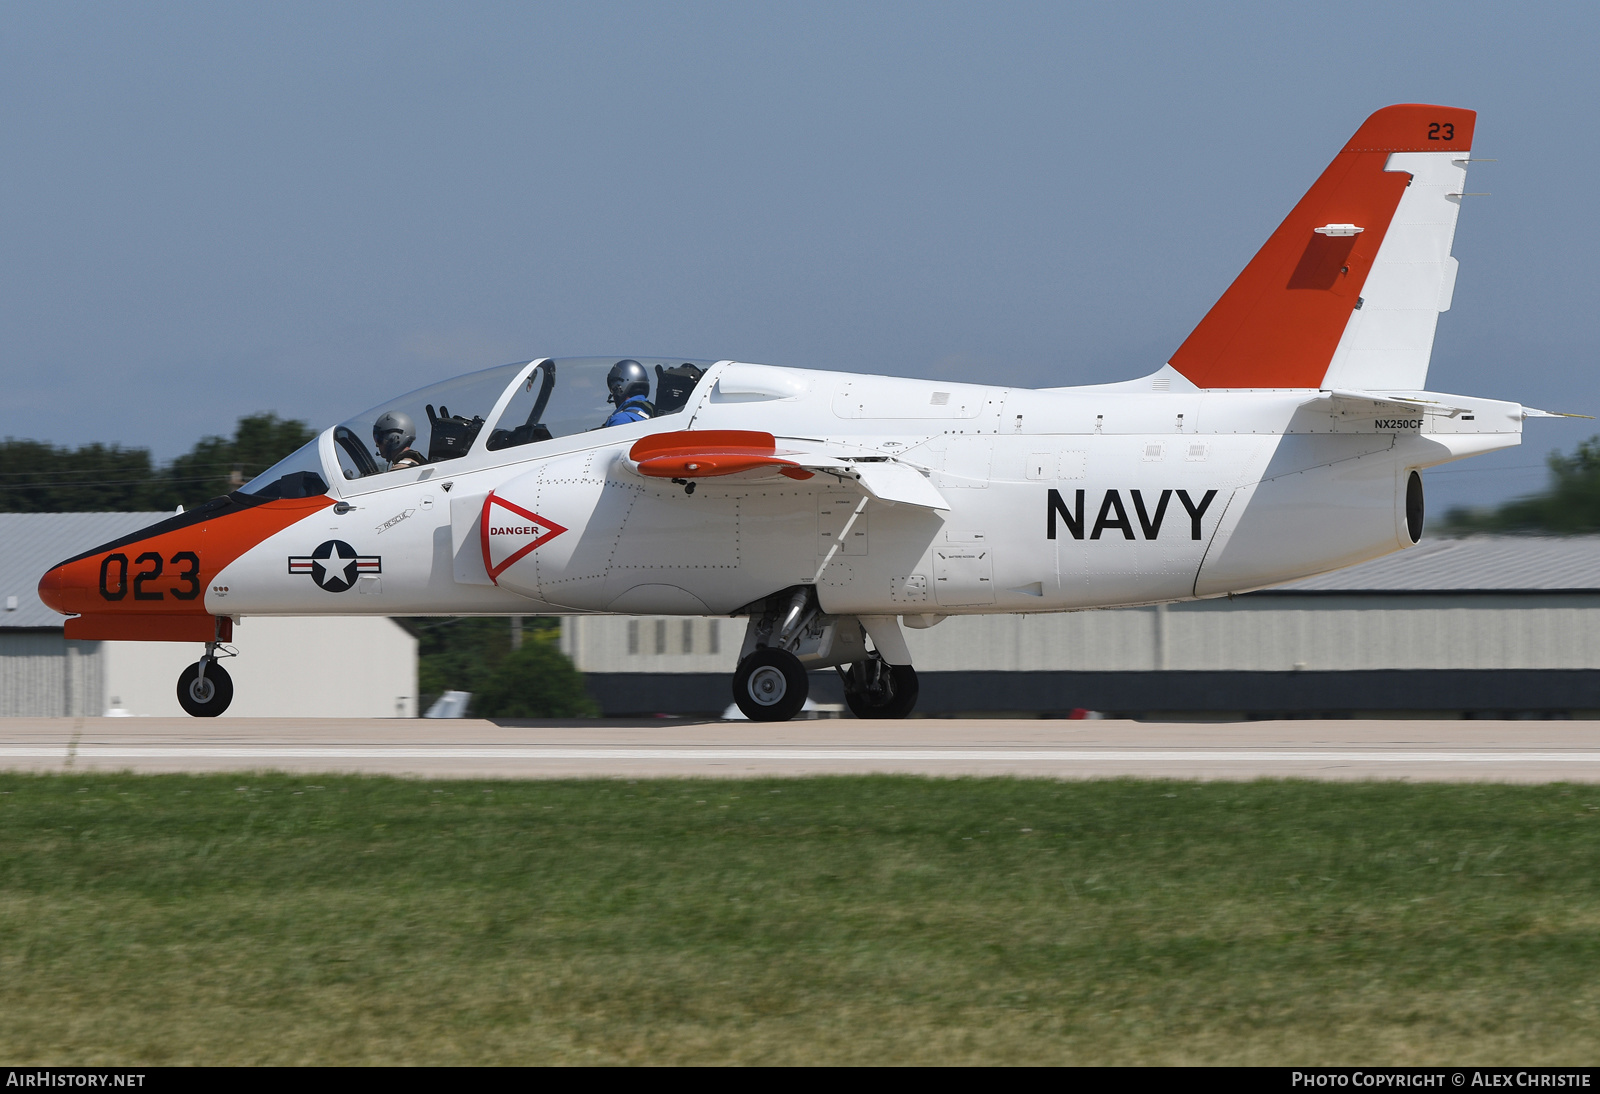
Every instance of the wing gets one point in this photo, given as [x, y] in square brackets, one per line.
[742, 455]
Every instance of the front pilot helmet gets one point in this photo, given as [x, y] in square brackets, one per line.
[393, 433]
[626, 379]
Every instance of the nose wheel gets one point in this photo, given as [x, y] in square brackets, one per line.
[770, 686]
[205, 689]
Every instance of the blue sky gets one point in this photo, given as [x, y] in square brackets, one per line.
[208, 210]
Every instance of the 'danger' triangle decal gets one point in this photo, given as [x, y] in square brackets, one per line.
[509, 531]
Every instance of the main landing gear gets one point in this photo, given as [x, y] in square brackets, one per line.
[205, 689]
[876, 689]
[770, 685]
[789, 635]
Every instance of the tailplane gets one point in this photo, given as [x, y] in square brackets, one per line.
[1347, 292]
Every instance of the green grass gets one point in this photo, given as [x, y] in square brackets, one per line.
[269, 918]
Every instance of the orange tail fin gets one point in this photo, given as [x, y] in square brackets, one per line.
[1281, 320]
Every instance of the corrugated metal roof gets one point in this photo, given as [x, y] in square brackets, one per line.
[31, 543]
[1473, 564]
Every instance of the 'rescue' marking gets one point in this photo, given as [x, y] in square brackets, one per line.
[392, 521]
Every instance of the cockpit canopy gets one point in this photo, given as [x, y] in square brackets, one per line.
[495, 409]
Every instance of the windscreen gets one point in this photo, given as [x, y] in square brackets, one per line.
[297, 475]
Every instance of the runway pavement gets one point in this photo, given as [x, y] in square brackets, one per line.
[1521, 751]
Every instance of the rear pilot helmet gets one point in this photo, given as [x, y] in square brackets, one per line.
[626, 379]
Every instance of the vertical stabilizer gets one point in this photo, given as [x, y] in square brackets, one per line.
[1348, 290]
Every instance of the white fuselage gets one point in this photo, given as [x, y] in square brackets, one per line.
[1057, 500]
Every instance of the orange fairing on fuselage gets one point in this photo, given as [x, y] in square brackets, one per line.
[1280, 321]
[152, 585]
[711, 453]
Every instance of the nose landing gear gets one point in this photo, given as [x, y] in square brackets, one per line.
[204, 688]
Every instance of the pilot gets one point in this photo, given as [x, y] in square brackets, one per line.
[393, 433]
[630, 390]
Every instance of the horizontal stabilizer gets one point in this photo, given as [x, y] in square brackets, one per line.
[1529, 412]
[1361, 402]
[1380, 403]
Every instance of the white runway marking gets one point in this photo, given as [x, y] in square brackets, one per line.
[334, 752]
[1346, 749]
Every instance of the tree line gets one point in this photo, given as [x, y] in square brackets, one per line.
[1568, 506]
[511, 673]
[38, 477]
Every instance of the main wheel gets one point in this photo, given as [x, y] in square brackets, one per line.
[205, 698]
[770, 686]
[874, 689]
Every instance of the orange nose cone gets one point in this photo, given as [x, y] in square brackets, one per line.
[51, 592]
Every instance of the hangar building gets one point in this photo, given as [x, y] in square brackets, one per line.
[1486, 626]
[289, 667]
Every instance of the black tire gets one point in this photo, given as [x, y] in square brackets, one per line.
[873, 689]
[770, 686]
[208, 698]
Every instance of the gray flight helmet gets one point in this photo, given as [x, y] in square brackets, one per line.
[626, 379]
[393, 433]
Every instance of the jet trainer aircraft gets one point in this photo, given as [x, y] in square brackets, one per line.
[1282, 439]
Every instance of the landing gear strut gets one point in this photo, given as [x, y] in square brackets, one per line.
[876, 689]
[789, 634]
[205, 689]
